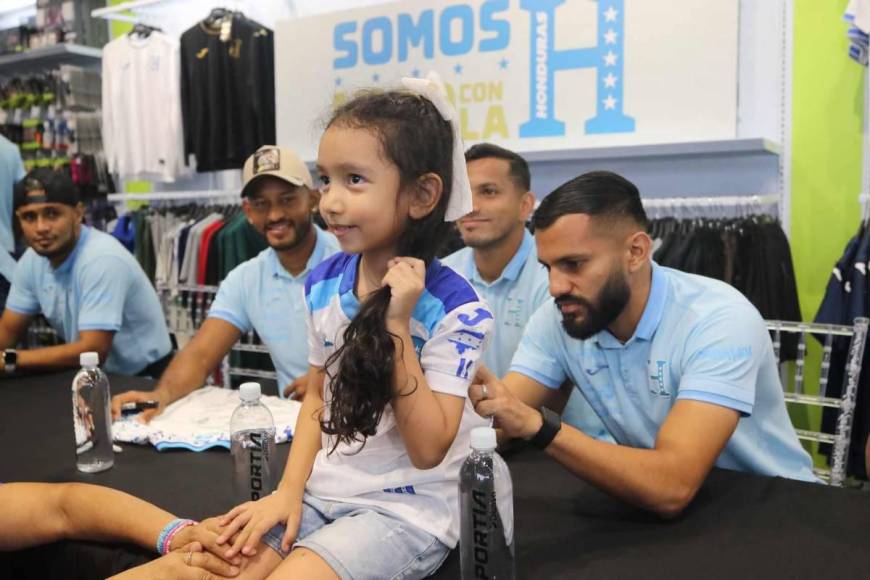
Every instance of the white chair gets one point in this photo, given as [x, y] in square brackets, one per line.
[829, 335]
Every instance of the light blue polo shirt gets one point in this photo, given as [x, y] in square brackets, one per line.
[513, 297]
[522, 287]
[11, 170]
[261, 295]
[698, 339]
[100, 286]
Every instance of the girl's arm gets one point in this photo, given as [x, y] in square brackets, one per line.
[427, 420]
[252, 520]
[306, 438]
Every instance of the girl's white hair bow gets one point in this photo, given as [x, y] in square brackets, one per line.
[433, 89]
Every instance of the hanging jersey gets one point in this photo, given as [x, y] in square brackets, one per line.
[227, 93]
[142, 129]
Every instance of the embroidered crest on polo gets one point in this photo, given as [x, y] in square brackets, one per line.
[267, 160]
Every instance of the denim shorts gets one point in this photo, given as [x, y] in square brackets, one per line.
[363, 543]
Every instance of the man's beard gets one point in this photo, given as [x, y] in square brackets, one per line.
[300, 233]
[489, 242]
[61, 251]
[608, 306]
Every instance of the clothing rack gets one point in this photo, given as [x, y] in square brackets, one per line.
[129, 11]
[724, 201]
[690, 206]
[174, 195]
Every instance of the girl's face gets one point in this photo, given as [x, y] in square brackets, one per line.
[359, 191]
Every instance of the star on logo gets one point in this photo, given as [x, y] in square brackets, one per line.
[610, 58]
[610, 14]
[415, 73]
[610, 80]
[610, 36]
[503, 64]
[458, 69]
[609, 103]
[376, 77]
[338, 82]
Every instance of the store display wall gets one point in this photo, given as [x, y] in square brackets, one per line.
[827, 116]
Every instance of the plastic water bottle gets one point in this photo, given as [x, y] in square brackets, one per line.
[252, 444]
[486, 512]
[92, 418]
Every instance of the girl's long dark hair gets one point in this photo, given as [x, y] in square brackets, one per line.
[417, 140]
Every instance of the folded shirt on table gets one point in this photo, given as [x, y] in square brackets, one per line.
[201, 420]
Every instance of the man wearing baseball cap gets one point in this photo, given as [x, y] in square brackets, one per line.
[264, 294]
[87, 285]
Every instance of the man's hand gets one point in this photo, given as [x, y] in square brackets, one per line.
[491, 398]
[138, 397]
[187, 563]
[296, 389]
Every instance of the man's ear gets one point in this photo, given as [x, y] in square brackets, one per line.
[425, 195]
[313, 199]
[639, 246]
[527, 206]
[246, 208]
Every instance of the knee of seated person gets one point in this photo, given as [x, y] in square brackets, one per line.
[261, 565]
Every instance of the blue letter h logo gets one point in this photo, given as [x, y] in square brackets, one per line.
[606, 58]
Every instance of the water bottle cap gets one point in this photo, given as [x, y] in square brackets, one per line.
[249, 391]
[483, 438]
[89, 359]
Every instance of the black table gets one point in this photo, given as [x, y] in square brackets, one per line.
[740, 525]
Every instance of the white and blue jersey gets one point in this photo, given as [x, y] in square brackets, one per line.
[450, 328]
[698, 339]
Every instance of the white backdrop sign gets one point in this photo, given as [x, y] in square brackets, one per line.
[530, 75]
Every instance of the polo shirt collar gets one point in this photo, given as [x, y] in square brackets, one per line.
[67, 264]
[513, 269]
[652, 313]
[316, 257]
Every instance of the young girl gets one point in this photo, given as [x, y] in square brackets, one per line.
[370, 487]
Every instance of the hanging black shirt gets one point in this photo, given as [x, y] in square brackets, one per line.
[227, 93]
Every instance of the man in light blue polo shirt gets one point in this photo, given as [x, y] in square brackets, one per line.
[501, 261]
[11, 171]
[679, 367]
[87, 285]
[264, 294]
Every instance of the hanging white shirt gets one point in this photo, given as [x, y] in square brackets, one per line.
[142, 131]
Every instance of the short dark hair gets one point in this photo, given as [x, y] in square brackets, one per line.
[519, 169]
[597, 193]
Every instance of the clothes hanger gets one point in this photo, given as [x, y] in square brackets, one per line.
[143, 30]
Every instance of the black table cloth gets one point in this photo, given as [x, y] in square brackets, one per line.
[740, 525]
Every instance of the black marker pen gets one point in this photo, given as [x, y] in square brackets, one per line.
[138, 407]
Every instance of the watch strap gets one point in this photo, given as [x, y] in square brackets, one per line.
[549, 428]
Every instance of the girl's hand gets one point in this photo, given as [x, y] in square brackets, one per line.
[250, 521]
[406, 278]
[205, 534]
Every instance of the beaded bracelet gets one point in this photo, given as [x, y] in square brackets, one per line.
[164, 540]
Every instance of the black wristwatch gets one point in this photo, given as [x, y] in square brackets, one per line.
[550, 427]
[10, 360]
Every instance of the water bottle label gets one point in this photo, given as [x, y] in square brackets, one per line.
[258, 453]
[83, 422]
